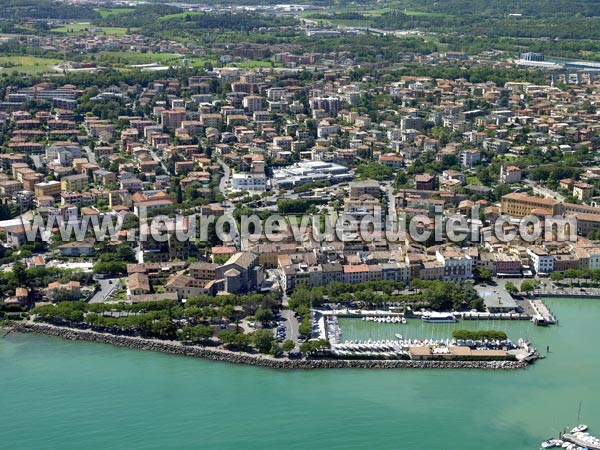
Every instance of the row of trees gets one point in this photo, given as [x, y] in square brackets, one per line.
[479, 335]
[163, 320]
[437, 295]
[527, 286]
[443, 296]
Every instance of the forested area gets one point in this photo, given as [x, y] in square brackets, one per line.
[157, 19]
[18, 10]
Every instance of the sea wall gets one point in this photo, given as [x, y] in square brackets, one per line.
[219, 354]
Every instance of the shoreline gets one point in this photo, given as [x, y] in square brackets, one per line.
[260, 360]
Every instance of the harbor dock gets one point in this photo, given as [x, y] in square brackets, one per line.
[430, 349]
[533, 309]
[541, 313]
[579, 441]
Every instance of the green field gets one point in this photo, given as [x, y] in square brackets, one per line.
[114, 11]
[181, 14]
[27, 64]
[82, 28]
[129, 58]
[252, 64]
[134, 58]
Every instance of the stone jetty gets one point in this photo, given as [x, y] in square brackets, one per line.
[221, 354]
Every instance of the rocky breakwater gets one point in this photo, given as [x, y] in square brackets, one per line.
[220, 354]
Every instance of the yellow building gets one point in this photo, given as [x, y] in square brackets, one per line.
[74, 183]
[520, 205]
[47, 188]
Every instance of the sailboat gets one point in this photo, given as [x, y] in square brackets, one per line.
[580, 427]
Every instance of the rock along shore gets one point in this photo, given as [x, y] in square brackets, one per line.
[219, 354]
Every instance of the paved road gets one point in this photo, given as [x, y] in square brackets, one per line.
[90, 154]
[225, 178]
[106, 287]
[391, 198]
[157, 159]
[291, 325]
[223, 183]
[37, 161]
[547, 193]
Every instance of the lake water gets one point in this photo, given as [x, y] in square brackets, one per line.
[57, 394]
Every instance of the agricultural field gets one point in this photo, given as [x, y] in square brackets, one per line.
[254, 64]
[27, 64]
[181, 15]
[114, 11]
[84, 27]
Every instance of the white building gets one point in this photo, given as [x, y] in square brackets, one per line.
[594, 259]
[469, 157]
[510, 174]
[249, 182]
[311, 171]
[325, 129]
[457, 266]
[541, 261]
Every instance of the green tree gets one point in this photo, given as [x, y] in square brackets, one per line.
[511, 288]
[483, 275]
[195, 333]
[234, 340]
[263, 340]
[264, 316]
[312, 346]
[556, 276]
[288, 345]
[19, 274]
[528, 286]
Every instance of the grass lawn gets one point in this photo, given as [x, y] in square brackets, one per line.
[84, 27]
[473, 180]
[135, 58]
[385, 8]
[114, 11]
[181, 14]
[252, 64]
[200, 60]
[27, 64]
[129, 58]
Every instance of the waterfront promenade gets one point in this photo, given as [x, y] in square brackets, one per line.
[550, 289]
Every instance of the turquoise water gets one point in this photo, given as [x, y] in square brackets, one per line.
[57, 394]
[356, 329]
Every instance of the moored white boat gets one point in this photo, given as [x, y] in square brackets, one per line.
[437, 317]
[579, 428]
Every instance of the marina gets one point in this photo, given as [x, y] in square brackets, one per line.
[421, 349]
[423, 346]
[385, 319]
[577, 439]
[534, 310]
[386, 340]
[119, 381]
